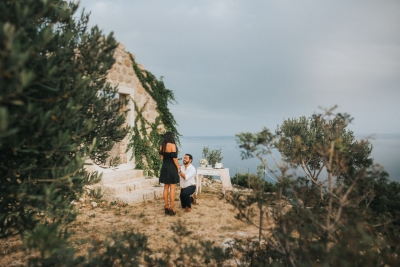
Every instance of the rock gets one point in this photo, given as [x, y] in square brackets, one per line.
[127, 62]
[94, 204]
[239, 233]
[121, 46]
[227, 243]
[82, 200]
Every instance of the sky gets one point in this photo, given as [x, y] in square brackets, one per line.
[238, 66]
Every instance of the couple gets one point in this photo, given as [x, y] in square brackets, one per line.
[172, 173]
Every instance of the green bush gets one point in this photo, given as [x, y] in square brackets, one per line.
[56, 111]
[212, 156]
[349, 217]
[252, 181]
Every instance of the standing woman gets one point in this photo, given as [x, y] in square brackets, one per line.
[169, 171]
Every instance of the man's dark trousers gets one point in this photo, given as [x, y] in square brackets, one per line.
[186, 200]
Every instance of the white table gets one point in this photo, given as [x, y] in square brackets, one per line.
[222, 173]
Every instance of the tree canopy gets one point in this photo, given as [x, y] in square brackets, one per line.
[56, 109]
[348, 217]
[308, 143]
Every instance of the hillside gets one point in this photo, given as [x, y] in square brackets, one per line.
[212, 219]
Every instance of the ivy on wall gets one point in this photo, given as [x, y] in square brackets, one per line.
[145, 137]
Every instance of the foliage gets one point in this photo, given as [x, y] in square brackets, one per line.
[145, 136]
[194, 252]
[160, 94]
[306, 143]
[56, 110]
[212, 156]
[253, 181]
[132, 249]
[384, 205]
[52, 245]
[120, 249]
[146, 144]
[386, 198]
[330, 220]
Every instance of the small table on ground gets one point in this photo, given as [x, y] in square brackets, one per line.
[223, 173]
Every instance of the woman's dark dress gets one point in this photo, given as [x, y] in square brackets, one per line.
[169, 172]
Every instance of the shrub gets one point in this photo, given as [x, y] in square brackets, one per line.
[341, 219]
[212, 156]
[253, 181]
[56, 111]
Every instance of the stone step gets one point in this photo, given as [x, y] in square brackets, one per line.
[129, 185]
[114, 176]
[137, 196]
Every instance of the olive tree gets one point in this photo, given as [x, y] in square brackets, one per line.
[56, 111]
[318, 220]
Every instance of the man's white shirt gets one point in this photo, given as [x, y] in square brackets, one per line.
[190, 173]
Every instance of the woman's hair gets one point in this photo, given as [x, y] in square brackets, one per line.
[168, 138]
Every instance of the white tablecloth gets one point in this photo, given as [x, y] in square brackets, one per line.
[222, 173]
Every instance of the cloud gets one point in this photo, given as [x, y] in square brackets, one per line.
[351, 67]
[253, 63]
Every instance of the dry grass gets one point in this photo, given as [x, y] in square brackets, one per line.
[213, 218]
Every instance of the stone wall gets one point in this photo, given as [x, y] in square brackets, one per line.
[119, 149]
[123, 76]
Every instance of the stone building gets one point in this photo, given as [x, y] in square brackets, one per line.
[124, 184]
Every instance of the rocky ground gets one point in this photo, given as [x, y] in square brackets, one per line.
[212, 219]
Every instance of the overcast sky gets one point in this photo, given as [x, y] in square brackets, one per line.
[237, 66]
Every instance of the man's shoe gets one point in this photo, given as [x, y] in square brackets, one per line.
[188, 209]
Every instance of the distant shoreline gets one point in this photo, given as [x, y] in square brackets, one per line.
[355, 134]
[386, 152]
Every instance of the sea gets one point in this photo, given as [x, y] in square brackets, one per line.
[386, 152]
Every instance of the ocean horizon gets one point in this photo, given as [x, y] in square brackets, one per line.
[385, 151]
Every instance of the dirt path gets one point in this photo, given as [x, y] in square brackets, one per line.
[213, 219]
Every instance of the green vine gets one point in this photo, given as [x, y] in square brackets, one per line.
[145, 137]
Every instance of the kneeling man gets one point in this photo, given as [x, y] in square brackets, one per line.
[187, 182]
